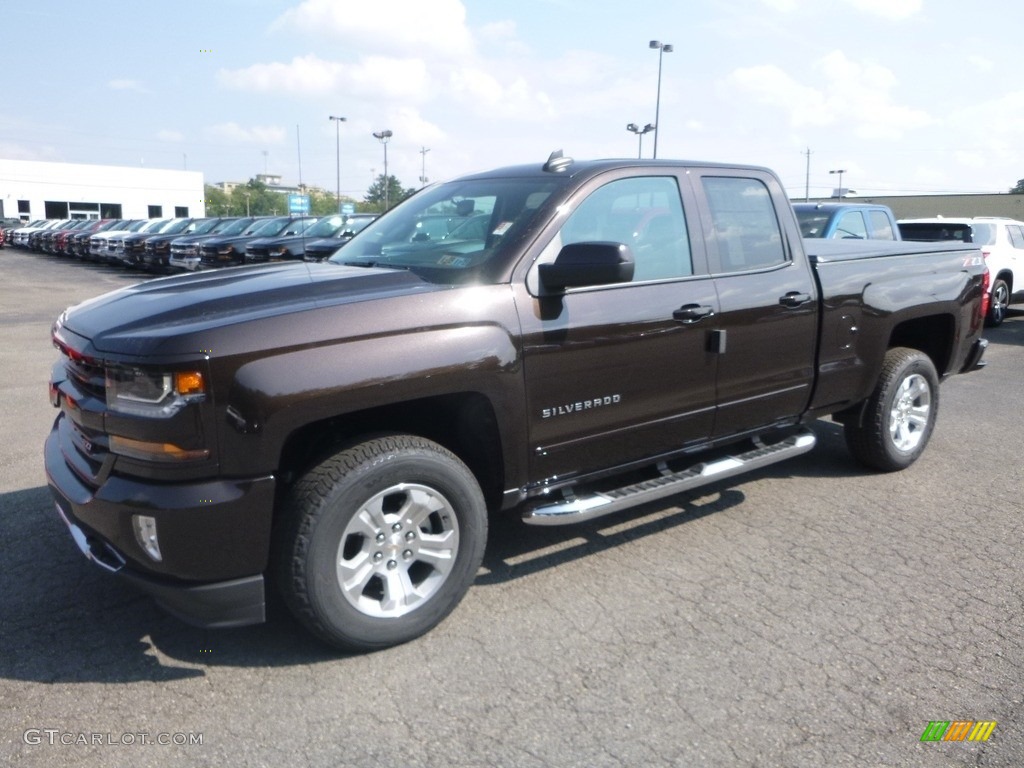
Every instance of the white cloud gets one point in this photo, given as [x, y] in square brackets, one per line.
[168, 135]
[305, 74]
[971, 159]
[989, 135]
[125, 84]
[257, 134]
[889, 9]
[14, 151]
[981, 63]
[771, 85]
[499, 31]
[484, 94]
[372, 77]
[401, 27]
[389, 79]
[853, 94]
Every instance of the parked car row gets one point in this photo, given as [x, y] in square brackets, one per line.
[178, 244]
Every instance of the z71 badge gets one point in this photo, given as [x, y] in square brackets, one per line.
[580, 405]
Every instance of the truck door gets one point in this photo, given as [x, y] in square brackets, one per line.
[767, 298]
[620, 372]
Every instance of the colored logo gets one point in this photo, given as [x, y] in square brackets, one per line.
[958, 730]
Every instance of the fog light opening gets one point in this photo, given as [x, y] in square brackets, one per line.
[145, 534]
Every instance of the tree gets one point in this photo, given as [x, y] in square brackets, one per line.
[375, 196]
[1019, 189]
[254, 198]
[323, 203]
[215, 200]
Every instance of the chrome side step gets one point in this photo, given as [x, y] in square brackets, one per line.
[577, 509]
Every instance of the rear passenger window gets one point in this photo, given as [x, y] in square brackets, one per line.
[745, 229]
[1016, 233]
[881, 225]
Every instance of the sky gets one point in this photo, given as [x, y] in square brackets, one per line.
[903, 96]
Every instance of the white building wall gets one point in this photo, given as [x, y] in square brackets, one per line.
[134, 189]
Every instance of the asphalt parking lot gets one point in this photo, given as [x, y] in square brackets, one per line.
[810, 614]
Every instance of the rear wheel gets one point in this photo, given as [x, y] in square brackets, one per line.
[1000, 301]
[899, 416]
[381, 542]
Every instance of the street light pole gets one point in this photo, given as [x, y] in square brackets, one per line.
[383, 137]
[633, 128]
[423, 167]
[337, 157]
[840, 171]
[663, 48]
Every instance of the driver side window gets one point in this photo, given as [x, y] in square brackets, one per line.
[644, 213]
[851, 227]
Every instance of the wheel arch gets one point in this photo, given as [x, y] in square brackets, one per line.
[465, 423]
[1006, 275]
[933, 334]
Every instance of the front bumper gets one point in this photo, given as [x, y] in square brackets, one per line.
[214, 538]
[191, 263]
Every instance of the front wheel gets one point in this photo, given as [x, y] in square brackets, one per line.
[381, 541]
[898, 418]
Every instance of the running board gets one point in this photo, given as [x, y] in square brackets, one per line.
[577, 509]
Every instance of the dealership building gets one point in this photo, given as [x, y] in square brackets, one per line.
[949, 205]
[32, 190]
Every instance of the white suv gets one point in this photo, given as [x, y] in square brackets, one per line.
[1001, 242]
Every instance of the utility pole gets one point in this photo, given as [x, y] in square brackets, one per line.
[423, 168]
[807, 181]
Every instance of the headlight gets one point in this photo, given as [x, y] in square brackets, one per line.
[226, 250]
[157, 394]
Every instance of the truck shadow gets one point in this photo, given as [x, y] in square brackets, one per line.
[516, 550]
[65, 621]
[1011, 332]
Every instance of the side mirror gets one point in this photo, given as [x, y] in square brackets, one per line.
[586, 264]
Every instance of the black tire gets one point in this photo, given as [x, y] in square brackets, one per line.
[897, 420]
[1000, 300]
[380, 542]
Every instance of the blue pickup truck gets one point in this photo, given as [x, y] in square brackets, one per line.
[846, 221]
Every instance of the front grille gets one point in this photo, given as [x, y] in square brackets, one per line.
[88, 376]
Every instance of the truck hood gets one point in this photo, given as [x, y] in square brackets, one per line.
[273, 242]
[169, 315]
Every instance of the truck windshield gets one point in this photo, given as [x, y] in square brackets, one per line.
[454, 232]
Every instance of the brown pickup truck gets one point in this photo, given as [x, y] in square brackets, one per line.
[559, 340]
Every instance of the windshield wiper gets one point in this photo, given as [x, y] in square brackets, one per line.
[368, 264]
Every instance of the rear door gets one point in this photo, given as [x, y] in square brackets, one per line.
[767, 317]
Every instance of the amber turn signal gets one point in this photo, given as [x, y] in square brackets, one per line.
[189, 383]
